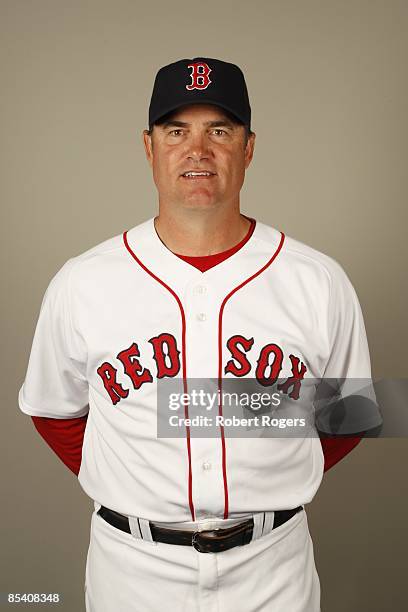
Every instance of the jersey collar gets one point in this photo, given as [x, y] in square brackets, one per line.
[146, 245]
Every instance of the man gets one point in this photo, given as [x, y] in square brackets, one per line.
[199, 291]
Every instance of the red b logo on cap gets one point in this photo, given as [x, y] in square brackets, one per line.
[199, 76]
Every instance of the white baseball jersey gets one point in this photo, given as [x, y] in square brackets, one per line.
[129, 312]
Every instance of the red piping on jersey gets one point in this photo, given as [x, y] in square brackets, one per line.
[183, 344]
[224, 460]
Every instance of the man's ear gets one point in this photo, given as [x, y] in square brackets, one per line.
[249, 149]
[148, 145]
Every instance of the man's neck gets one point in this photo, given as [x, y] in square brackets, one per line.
[198, 235]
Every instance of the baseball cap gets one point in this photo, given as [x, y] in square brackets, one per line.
[200, 80]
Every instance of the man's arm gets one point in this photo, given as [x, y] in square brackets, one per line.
[65, 437]
[336, 448]
[347, 375]
[55, 389]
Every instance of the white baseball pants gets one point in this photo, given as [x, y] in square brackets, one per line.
[275, 573]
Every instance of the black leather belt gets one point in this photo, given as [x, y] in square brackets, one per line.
[214, 540]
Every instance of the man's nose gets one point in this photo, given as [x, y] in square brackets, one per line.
[198, 147]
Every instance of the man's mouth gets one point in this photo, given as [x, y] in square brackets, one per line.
[199, 174]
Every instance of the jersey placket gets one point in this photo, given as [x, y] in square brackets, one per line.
[201, 309]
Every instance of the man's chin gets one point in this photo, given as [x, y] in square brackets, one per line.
[199, 203]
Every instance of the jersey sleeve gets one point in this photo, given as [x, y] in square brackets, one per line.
[349, 353]
[55, 383]
[346, 400]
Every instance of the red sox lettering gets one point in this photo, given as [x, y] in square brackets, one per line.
[167, 358]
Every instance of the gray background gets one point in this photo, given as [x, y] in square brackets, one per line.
[328, 89]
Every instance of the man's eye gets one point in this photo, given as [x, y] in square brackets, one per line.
[175, 132]
[220, 132]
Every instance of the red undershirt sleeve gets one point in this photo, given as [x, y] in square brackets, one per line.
[65, 437]
[334, 449]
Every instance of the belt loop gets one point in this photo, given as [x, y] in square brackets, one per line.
[145, 530]
[268, 523]
[258, 518]
[263, 524]
[134, 525]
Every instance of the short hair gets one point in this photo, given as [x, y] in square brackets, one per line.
[227, 113]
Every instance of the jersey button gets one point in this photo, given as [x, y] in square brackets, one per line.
[201, 316]
[206, 465]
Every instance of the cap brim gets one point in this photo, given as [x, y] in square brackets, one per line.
[196, 101]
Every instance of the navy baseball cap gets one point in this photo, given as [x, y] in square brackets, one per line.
[201, 80]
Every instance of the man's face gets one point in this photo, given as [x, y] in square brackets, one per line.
[198, 138]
